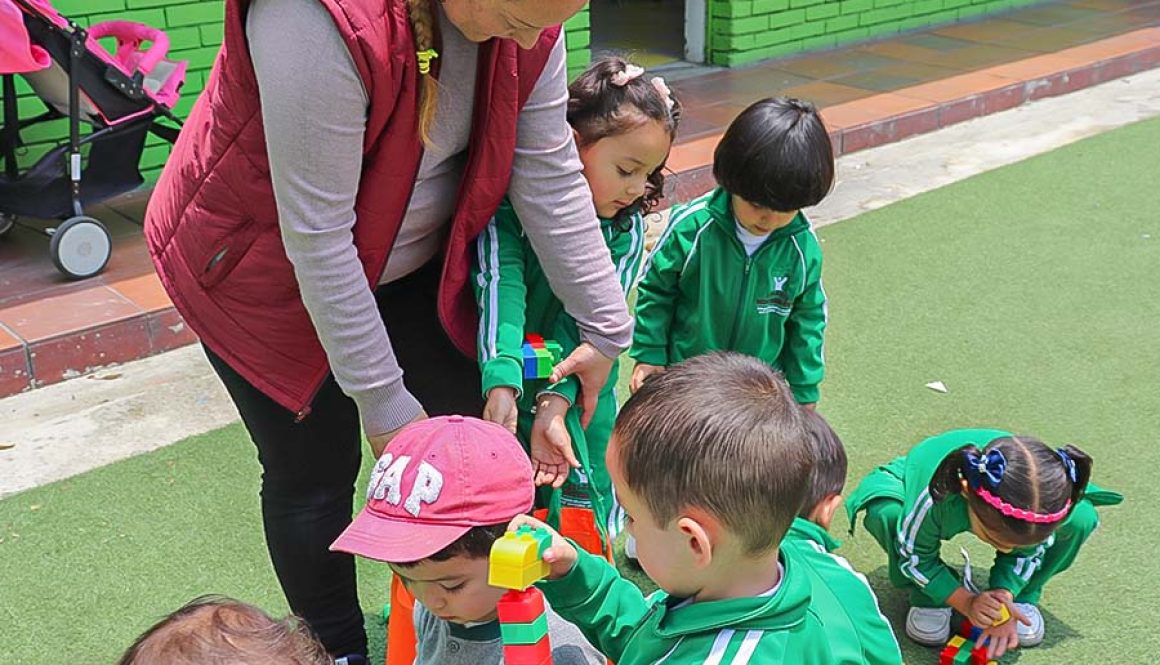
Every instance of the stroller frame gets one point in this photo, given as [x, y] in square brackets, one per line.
[80, 246]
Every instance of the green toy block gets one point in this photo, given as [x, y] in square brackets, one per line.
[542, 537]
[554, 350]
[524, 633]
[963, 657]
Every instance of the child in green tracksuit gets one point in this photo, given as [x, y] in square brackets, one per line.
[739, 268]
[711, 460]
[841, 590]
[624, 126]
[1033, 504]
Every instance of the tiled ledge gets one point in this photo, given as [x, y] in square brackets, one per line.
[58, 337]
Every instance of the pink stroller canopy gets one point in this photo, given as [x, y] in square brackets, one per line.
[17, 52]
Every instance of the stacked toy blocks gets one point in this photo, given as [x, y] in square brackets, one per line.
[516, 563]
[540, 356]
[965, 648]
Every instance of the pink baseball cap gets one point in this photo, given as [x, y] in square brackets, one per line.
[436, 480]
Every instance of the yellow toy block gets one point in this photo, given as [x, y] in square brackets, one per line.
[1004, 616]
[516, 559]
[956, 641]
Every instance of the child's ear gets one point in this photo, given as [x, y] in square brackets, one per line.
[698, 539]
[823, 513]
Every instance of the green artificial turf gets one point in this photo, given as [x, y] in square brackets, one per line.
[1032, 292]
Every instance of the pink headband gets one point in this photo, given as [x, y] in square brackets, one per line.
[1019, 513]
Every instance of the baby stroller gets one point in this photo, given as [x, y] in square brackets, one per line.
[121, 95]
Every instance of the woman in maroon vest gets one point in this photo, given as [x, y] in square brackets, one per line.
[313, 226]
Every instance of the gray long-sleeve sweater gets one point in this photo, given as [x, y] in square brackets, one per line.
[314, 110]
[440, 642]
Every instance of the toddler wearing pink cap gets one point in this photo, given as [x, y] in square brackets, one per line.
[443, 491]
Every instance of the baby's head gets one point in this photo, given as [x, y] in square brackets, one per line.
[775, 159]
[829, 477]
[711, 461]
[1018, 489]
[443, 491]
[625, 123]
[213, 629]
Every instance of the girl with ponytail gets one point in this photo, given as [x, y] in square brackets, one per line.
[624, 122]
[1033, 503]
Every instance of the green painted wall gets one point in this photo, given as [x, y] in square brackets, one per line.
[195, 32]
[744, 31]
[577, 35]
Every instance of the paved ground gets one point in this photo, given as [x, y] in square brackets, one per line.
[65, 429]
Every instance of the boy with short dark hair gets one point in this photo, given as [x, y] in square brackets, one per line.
[824, 495]
[840, 593]
[711, 462]
[739, 268]
[440, 495]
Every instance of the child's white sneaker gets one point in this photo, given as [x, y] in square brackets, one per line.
[930, 626]
[630, 548]
[1032, 635]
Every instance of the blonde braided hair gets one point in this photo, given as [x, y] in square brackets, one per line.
[423, 27]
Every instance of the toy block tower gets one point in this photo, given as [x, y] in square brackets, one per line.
[965, 648]
[516, 563]
[540, 356]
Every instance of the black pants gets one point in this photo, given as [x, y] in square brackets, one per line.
[309, 468]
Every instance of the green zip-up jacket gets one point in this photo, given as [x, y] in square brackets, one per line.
[617, 619]
[701, 292]
[515, 298]
[926, 523]
[844, 597]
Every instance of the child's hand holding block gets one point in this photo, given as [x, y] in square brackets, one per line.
[516, 563]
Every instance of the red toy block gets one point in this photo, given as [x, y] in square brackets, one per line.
[969, 630]
[520, 606]
[536, 341]
[979, 656]
[947, 657]
[539, 653]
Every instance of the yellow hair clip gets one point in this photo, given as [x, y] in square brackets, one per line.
[425, 58]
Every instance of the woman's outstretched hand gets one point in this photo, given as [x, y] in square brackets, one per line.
[591, 367]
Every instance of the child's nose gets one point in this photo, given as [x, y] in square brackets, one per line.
[433, 599]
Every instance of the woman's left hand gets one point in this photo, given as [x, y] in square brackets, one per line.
[592, 368]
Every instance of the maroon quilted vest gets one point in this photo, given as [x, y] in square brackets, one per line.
[212, 224]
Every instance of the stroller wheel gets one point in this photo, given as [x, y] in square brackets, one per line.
[7, 221]
[80, 247]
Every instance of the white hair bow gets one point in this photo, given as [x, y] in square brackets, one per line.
[621, 78]
[663, 90]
